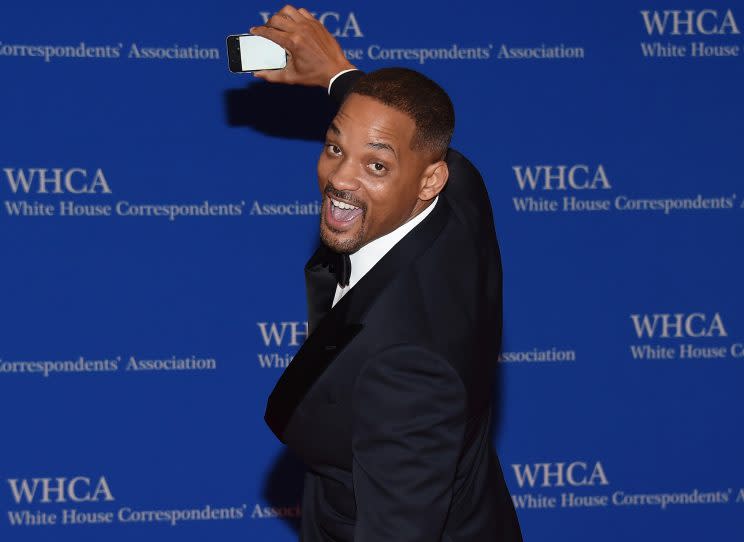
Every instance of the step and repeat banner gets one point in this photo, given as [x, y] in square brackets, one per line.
[156, 212]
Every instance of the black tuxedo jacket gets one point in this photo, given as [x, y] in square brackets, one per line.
[388, 401]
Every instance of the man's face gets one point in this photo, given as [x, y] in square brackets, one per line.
[368, 175]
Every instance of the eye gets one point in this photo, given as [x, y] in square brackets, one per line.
[333, 149]
[377, 167]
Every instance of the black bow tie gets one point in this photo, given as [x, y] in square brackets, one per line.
[339, 265]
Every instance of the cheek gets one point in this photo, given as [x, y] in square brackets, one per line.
[391, 201]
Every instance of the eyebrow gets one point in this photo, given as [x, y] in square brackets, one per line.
[382, 146]
[378, 145]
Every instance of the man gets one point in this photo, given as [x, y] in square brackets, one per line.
[388, 401]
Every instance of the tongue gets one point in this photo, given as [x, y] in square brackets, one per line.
[344, 215]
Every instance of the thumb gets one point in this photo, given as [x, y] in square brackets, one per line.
[271, 76]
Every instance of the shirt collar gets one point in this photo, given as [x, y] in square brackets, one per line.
[366, 257]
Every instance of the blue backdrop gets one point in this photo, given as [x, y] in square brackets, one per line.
[157, 211]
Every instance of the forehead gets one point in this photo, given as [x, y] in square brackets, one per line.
[367, 119]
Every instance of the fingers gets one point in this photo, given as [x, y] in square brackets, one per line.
[285, 19]
[291, 12]
[305, 13]
[277, 36]
[281, 21]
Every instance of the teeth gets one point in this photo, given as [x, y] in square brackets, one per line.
[342, 205]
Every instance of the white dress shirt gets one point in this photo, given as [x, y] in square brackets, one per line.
[366, 257]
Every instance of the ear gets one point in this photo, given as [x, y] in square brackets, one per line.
[433, 180]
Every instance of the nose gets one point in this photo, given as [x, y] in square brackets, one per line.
[344, 176]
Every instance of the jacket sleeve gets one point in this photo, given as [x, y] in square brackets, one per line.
[409, 413]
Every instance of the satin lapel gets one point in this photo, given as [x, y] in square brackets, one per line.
[344, 321]
[320, 286]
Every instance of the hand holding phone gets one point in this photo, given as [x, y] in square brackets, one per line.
[314, 54]
[249, 53]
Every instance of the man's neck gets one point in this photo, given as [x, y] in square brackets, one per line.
[366, 257]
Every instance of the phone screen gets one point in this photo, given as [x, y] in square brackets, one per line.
[249, 53]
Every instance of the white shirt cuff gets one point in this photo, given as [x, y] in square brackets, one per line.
[336, 77]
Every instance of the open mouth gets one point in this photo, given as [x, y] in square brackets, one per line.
[341, 214]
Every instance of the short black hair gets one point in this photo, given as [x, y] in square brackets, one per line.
[418, 97]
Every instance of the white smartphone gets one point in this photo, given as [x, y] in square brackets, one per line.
[249, 53]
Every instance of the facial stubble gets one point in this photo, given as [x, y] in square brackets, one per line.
[329, 235]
